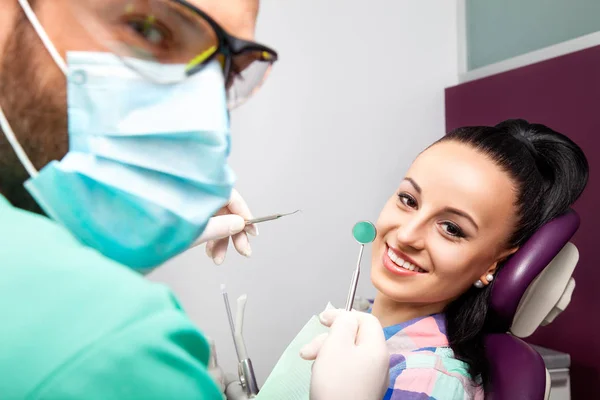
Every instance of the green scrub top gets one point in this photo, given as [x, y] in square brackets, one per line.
[76, 325]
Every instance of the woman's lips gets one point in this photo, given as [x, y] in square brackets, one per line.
[398, 266]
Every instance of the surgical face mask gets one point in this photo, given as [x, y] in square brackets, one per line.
[147, 163]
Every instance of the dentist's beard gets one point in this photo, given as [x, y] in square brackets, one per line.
[33, 97]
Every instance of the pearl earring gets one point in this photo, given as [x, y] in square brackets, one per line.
[479, 284]
[489, 277]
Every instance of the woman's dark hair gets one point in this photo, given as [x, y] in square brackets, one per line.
[549, 172]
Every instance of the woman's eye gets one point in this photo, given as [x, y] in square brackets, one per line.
[407, 200]
[453, 230]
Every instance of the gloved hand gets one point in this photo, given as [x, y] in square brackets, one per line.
[351, 361]
[230, 221]
[234, 390]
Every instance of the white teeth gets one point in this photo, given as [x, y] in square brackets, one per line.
[391, 255]
[402, 263]
[395, 258]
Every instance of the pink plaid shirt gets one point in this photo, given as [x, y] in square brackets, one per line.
[422, 365]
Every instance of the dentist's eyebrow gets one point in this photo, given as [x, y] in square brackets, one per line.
[415, 185]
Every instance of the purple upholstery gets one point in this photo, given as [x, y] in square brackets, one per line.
[526, 264]
[518, 371]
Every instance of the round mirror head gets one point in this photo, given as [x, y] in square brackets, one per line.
[364, 232]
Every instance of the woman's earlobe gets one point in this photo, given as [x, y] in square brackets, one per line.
[484, 280]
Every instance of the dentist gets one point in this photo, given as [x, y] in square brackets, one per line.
[115, 125]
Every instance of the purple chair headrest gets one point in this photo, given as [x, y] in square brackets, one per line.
[526, 264]
[517, 371]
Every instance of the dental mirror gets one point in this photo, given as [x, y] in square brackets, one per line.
[364, 232]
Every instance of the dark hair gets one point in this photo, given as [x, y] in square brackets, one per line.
[549, 172]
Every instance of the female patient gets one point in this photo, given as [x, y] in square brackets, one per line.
[466, 204]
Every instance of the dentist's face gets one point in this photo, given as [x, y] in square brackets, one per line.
[33, 89]
[449, 219]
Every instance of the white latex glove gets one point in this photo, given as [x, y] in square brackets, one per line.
[229, 384]
[230, 221]
[351, 361]
[234, 390]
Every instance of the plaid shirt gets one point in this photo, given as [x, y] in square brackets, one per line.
[422, 365]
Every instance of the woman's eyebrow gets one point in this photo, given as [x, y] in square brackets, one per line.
[462, 214]
[415, 185]
[450, 210]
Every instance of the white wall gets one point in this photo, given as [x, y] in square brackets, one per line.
[358, 92]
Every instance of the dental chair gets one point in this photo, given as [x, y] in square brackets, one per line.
[534, 286]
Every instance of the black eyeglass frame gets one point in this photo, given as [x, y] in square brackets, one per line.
[228, 46]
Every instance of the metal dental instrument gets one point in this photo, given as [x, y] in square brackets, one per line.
[230, 318]
[245, 368]
[364, 232]
[354, 283]
[269, 218]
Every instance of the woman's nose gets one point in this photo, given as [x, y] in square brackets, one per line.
[411, 234]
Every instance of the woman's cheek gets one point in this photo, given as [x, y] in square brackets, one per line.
[448, 258]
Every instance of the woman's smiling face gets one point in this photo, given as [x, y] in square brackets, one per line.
[446, 227]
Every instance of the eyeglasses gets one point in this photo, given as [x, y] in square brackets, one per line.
[180, 36]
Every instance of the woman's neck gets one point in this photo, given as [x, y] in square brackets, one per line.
[390, 312]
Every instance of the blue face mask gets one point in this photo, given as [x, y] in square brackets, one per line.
[147, 163]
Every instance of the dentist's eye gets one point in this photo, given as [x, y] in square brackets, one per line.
[407, 200]
[453, 230]
[149, 30]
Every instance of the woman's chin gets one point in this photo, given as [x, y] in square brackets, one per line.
[388, 288]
